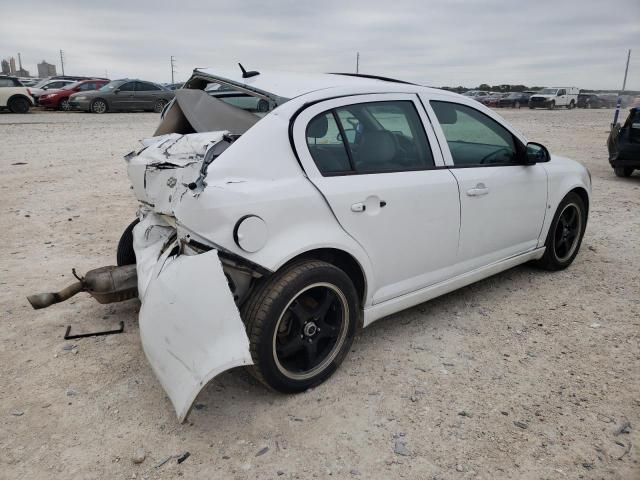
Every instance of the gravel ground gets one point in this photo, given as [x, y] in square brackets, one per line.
[527, 374]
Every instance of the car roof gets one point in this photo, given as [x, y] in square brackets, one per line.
[294, 84]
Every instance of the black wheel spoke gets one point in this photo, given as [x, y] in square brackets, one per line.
[311, 353]
[290, 347]
[323, 307]
[300, 312]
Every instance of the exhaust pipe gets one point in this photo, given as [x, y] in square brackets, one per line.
[105, 284]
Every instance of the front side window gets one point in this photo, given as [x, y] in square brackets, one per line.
[146, 87]
[127, 87]
[372, 137]
[474, 139]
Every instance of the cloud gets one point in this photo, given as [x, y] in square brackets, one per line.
[434, 42]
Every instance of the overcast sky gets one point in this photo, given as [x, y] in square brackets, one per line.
[432, 42]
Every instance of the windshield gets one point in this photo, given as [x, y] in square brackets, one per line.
[548, 91]
[111, 86]
[514, 95]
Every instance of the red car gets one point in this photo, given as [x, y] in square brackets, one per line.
[59, 99]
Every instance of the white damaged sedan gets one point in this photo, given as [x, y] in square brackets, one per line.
[278, 213]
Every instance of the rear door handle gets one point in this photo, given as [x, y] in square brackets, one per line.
[358, 207]
[477, 191]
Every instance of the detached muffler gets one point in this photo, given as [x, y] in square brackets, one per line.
[105, 284]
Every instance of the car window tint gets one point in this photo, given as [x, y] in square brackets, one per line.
[326, 145]
[127, 87]
[86, 86]
[146, 87]
[6, 82]
[385, 136]
[473, 137]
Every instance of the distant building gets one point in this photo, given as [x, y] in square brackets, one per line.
[46, 70]
[21, 72]
[12, 65]
[5, 67]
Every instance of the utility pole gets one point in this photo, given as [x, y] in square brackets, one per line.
[173, 69]
[62, 61]
[357, 62]
[19, 61]
[624, 85]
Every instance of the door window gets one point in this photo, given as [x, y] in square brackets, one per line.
[474, 139]
[371, 137]
[146, 87]
[127, 87]
[561, 92]
[326, 145]
[87, 86]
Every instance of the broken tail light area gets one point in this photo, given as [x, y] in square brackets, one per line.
[190, 326]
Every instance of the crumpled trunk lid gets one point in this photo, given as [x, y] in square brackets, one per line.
[162, 172]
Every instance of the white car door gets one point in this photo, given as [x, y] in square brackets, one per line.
[503, 202]
[375, 160]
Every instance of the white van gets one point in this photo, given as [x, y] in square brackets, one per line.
[555, 97]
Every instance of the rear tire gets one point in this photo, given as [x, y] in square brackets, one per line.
[301, 322]
[623, 171]
[552, 105]
[565, 233]
[19, 105]
[64, 105]
[126, 254]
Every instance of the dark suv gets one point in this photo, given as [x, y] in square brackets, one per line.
[624, 145]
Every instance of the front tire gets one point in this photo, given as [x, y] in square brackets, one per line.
[99, 106]
[301, 322]
[623, 171]
[19, 105]
[565, 234]
[64, 105]
[552, 105]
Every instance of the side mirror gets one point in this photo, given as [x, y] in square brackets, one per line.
[116, 91]
[536, 153]
[45, 87]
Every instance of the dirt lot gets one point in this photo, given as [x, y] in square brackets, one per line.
[526, 375]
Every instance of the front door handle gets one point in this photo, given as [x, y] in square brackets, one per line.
[477, 191]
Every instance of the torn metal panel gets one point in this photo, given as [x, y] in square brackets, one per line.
[190, 326]
[162, 171]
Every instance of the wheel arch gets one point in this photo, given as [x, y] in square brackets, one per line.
[19, 95]
[341, 259]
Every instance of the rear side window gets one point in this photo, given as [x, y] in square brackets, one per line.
[326, 145]
[6, 82]
[475, 139]
[372, 137]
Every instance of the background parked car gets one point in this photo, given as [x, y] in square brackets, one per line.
[624, 145]
[595, 100]
[56, 82]
[125, 95]
[515, 99]
[59, 99]
[476, 94]
[493, 99]
[14, 95]
[555, 97]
